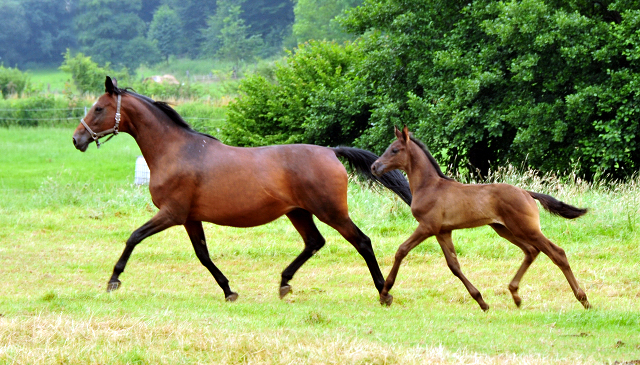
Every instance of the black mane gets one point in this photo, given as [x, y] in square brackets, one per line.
[433, 161]
[162, 106]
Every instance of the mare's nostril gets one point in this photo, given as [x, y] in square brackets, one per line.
[74, 141]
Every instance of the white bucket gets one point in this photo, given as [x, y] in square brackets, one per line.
[142, 172]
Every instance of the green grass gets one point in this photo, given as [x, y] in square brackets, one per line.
[65, 216]
[49, 80]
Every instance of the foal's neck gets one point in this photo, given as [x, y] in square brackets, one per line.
[421, 172]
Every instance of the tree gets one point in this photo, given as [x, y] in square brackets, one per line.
[193, 15]
[166, 31]
[15, 31]
[315, 19]
[105, 27]
[269, 20]
[87, 75]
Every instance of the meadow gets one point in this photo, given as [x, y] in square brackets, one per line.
[65, 215]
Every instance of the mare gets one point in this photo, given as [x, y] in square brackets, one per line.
[441, 205]
[194, 178]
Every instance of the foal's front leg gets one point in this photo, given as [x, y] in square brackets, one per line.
[444, 239]
[414, 240]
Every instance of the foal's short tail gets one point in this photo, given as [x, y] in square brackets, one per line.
[557, 207]
[361, 160]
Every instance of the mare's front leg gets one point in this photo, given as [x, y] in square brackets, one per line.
[196, 234]
[161, 221]
[444, 239]
[420, 234]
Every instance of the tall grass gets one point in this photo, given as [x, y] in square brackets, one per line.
[65, 216]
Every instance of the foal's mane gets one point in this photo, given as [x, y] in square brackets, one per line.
[162, 106]
[431, 159]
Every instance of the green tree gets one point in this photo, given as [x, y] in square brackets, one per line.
[269, 20]
[166, 31]
[105, 27]
[193, 15]
[15, 31]
[315, 19]
[87, 75]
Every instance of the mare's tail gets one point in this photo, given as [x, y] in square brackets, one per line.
[361, 160]
[557, 207]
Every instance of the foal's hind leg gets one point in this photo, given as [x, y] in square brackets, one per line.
[444, 239]
[196, 234]
[313, 241]
[558, 256]
[530, 254]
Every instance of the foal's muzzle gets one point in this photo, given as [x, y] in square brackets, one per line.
[377, 168]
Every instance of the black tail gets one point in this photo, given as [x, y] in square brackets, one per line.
[361, 160]
[557, 207]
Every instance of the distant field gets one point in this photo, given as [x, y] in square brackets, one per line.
[65, 216]
[49, 80]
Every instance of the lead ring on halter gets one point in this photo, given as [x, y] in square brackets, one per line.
[96, 136]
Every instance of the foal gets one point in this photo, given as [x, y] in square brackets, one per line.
[441, 205]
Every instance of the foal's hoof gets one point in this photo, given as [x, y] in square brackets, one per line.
[586, 304]
[517, 300]
[386, 299]
[113, 285]
[284, 290]
[231, 297]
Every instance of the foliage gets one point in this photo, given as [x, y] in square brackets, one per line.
[315, 19]
[39, 110]
[270, 21]
[12, 81]
[291, 107]
[86, 74]
[165, 31]
[112, 31]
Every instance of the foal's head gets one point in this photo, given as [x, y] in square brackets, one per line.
[101, 119]
[396, 157]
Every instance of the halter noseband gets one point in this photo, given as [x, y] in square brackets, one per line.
[96, 136]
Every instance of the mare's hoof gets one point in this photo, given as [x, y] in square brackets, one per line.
[113, 285]
[231, 297]
[517, 300]
[586, 304]
[284, 290]
[386, 299]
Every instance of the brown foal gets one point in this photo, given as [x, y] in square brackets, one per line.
[196, 178]
[441, 205]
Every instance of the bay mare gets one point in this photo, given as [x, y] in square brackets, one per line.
[196, 178]
[441, 205]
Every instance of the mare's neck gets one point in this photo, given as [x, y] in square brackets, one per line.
[421, 172]
[156, 134]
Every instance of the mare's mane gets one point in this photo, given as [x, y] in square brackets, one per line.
[163, 107]
[431, 159]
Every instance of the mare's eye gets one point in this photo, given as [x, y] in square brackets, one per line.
[98, 109]
[395, 150]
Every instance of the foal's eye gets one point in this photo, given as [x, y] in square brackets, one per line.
[394, 151]
[98, 109]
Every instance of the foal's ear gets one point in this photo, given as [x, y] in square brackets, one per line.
[397, 132]
[110, 85]
[405, 133]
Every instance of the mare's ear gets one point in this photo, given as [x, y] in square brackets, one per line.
[110, 85]
[405, 133]
[397, 132]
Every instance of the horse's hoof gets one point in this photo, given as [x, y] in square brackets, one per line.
[586, 305]
[113, 285]
[284, 290]
[517, 300]
[484, 307]
[386, 299]
[231, 297]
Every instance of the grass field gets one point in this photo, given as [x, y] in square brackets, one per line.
[65, 215]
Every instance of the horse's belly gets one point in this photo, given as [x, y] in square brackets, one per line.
[247, 215]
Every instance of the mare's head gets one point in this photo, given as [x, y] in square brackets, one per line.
[101, 120]
[396, 157]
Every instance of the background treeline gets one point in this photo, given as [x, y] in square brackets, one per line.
[128, 33]
[551, 85]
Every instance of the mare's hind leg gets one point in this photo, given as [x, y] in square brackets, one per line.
[444, 239]
[530, 254]
[313, 241]
[161, 221]
[558, 256]
[362, 243]
[196, 234]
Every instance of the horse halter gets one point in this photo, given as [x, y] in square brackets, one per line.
[113, 131]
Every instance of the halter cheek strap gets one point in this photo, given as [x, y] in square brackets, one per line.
[113, 131]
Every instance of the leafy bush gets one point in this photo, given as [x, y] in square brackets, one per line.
[12, 81]
[41, 110]
[87, 75]
[289, 105]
